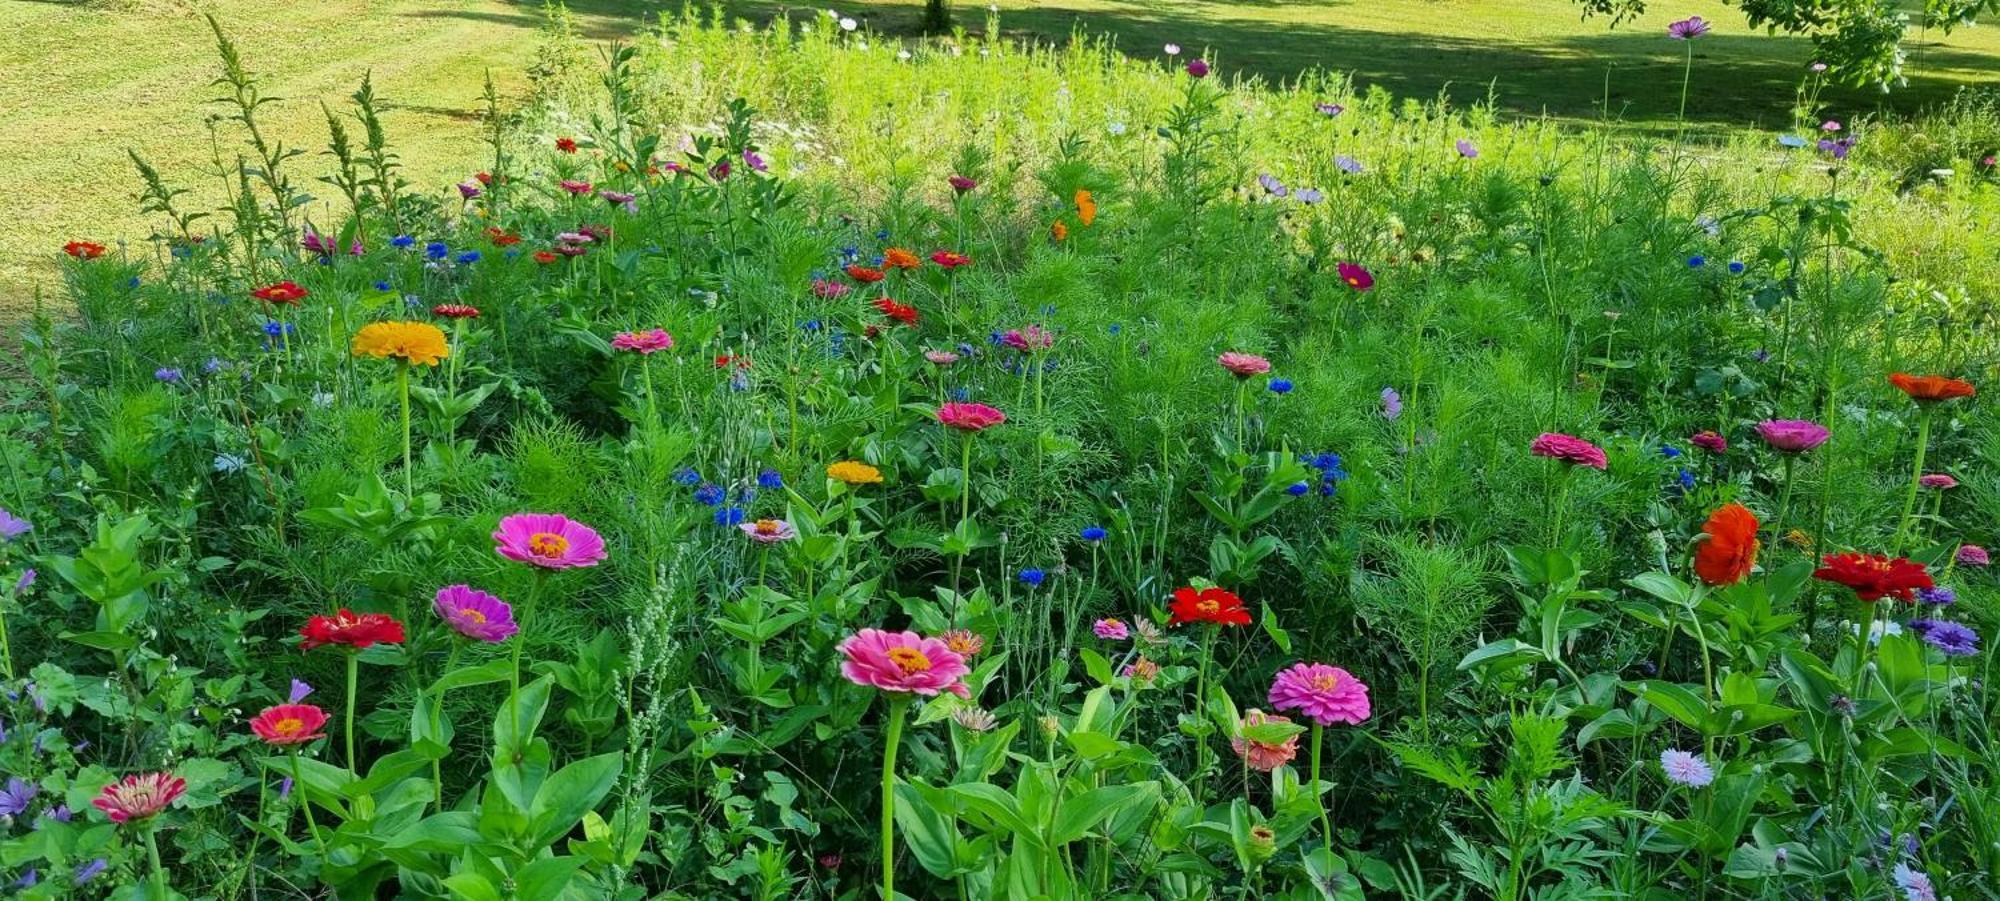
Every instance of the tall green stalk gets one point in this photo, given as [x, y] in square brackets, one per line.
[403, 386]
[898, 705]
[1916, 479]
[353, 677]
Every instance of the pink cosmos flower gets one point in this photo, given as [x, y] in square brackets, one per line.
[1325, 694]
[1569, 449]
[1111, 629]
[1260, 756]
[1687, 29]
[1792, 436]
[138, 797]
[1972, 555]
[768, 531]
[1244, 365]
[903, 661]
[1938, 480]
[970, 417]
[1355, 275]
[941, 357]
[1713, 442]
[475, 614]
[646, 342]
[548, 540]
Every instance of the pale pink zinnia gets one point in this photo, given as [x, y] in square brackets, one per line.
[475, 614]
[646, 342]
[548, 540]
[1259, 755]
[1569, 449]
[903, 661]
[1325, 694]
[768, 531]
[1792, 436]
[138, 797]
[1244, 365]
[941, 357]
[829, 290]
[1111, 629]
[970, 417]
[1938, 480]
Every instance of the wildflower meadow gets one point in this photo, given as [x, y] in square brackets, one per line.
[803, 464]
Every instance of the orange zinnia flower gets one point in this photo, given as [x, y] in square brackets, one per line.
[898, 258]
[1928, 388]
[1059, 231]
[1086, 207]
[1729, 549]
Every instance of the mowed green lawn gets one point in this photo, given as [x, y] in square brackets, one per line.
[135, 74]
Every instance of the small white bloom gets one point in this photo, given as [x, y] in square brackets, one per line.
[1116, 128]
[847, 24]
[903, 55]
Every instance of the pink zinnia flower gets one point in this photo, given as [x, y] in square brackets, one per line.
[941, 357]
[903, 661]
[1244, 365]
[1111, 629]
[1569, 449]
[576, 188]
[548, 540]
[1325, 694]
[768, 531]
[289, 724]
[1030, 339]
[646, 342]
[970, 417]
[1712, 442]
[827, 290]
[950, 259]
[1259, 755]
[139, 797]
[1938, 480]
[1792, 436]
[1972, 555]
[475, 614]
[961, 184]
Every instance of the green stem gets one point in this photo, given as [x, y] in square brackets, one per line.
[153, 854]
[1200, 712]
[353, 677]
[305, 804]
[1319, 799]
[403, 385]
[898, 705]
[1916, 478]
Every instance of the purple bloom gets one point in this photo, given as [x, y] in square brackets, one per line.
[168, 375]
[284, 788]
[1916, 885]
[1392, 404]
[12, 527]
[1937, 597]
[89, 871]
[1308, 195]
[1198, 68]
[475, 614]
[1465, 149]
[1329, 110]
[1347, 164]
[1837, 148]
[18, 794]
[1687, 29]
[1111, 630]
[1973, 555]
[755, 161]
[1683, 768]
[1955, 639]
[1271, 185]
[468, 190]
[299, 691]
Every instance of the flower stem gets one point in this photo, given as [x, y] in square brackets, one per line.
[1916, 478]
[403, 385]
[1319, 799]
[898, 705]
[353, 676]
[1200, 706]
[305, 804]
[153, 854]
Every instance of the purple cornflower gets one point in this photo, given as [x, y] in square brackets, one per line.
[299, 691]
[1683, 768]
[168, 375]
[1937, 597]
[1954, 639]
[1837, 148]
[18, 795]
[1916, 884]
[89, 871]
[1687, 29]
[12, 527]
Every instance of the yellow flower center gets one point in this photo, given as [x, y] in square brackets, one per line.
[471, 614]
[766, 527]
[910, 660]
[1208, 606]
[548, 545]
[289, 726]
[1325, 681]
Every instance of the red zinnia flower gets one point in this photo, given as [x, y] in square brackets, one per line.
[1207, 605]
[865, 275]
[546, 257]
[356, 630]
[1728, 552]
[906, 315]
[727, 360]
[84, 250]
[502, 237]
[1929, 388]
[455, 311]
[566, 145]
[484, 178]
[1875, 576]
[282, 292]
[951, 259]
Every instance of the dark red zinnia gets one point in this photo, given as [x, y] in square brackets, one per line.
[566, 145]
[287, 293]
[356, 630]
[84, 250]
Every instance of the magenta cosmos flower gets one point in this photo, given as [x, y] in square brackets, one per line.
[1792, 436]
[1244, 365]
[646, 342]
[1569, 449]
[768, 531]
[138, 797]
[903, 661]
[1324, 694]
[475, 614]
[1687, 29]
[1355, 275]
[548, 540]
[970, 417]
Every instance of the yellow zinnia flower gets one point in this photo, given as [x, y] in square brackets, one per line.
[419, 343]
[854, 472]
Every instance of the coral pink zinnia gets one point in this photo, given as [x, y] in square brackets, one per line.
[475, 614]
[548, 540]
[970, 417]
[138, 797]
[1259, 755]
[646, 342]
[902, 661]
[1569, 449]
[289, 724]
[1325, 694]
[1244, 365]
[769, 531]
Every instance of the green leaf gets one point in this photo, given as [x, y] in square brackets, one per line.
[1675, 701]
[499, 669]
[469, 886]
[1079, 814]
[998, 807]
[545, 880]
[570, 793]
[1502, 653]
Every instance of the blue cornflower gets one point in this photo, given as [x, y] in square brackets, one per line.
[436, 250]
[882, 235]
[687, 476]
[1697, 261]
[402, 241]
[1955, 639]
[213, 365]
[1686, 479]
[89, 871]
[710, 494]
[1281, 386]
[1298, 489]
[1937, 597]
[1115, 328]
[1669, 451]
[468, 258]
[728, 516]
[1328, 464]
[132, 282]
[1736, 267]
[961, 394]
[770, 480]
[1032, 578]
[1093, 533]
[167, 374]
[812, 325]
[382, 286]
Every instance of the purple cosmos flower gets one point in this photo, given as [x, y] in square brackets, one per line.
[1466, 150]
[1687, 29]
[1683, 768]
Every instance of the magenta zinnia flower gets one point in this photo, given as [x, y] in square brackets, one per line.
[903, 661]
[138, 797]
[646, 342]
[1713, 442]
[1325, 694]
[548, 540]
[768, 531]
[1938, 480]
[970, 417]
[1030, 339]
[1111, 629]
[1973, 555]
[475, 614]
[1792, 436]
[1569, 449]
[1244, 365]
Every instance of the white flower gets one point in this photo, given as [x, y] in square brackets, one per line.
[1877, 629]
[903, 55]
[1173, 49]
[1116, 128]
[847, 24]
[229, 464]
[323, 399]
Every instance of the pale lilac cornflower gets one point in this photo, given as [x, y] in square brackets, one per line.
[299, 691]
[1347, 164]
[1683, 768]
[1916, 884]
[16, 797]
[1272, 185]
[1392, 404]
[12, 527]
[25, 582]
